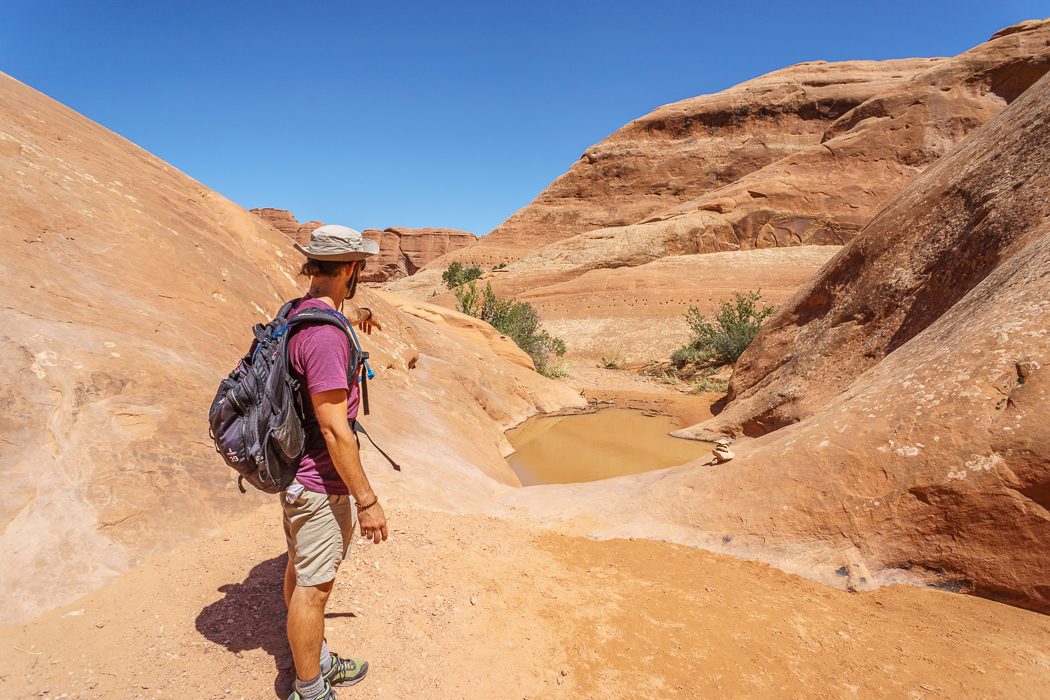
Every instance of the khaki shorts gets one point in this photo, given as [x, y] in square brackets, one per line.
[318, 528]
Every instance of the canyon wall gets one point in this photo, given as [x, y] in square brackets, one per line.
[686, 149]
[823, 192]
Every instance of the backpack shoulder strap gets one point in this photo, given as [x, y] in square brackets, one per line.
[316, 316]
[334, 318]
[282, 313]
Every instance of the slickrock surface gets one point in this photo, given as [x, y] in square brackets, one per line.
[914, 262]
[129, 291]
[462, 325]
[285, 222]
[473, 607]
[916, 366]
[403, 251]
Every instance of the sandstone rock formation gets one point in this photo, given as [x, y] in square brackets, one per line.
[921, 255]
[462, 325]
[403, 251]
[911, 380]
[286, 223]
[686, 149]
[855, 145]
[129, 290]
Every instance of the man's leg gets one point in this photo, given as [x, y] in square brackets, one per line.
[289, 589]
[306, 628]
[318, 529]
[289, 581]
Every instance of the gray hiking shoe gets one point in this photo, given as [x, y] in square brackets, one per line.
[346, 671]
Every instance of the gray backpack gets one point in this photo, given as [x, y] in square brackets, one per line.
[256, 418]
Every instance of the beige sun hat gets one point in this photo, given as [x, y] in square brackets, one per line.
[338, 244]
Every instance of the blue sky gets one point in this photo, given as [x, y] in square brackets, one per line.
[376, 114]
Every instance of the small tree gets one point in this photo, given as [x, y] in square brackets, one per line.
[456, 275]
[724, 338]
[515, 319]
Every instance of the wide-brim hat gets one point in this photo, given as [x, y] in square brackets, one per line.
[338, 244]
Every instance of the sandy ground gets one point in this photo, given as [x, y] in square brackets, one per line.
[464, 606]
[469, 606]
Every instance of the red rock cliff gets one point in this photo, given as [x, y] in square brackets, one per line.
[285, 222]
[402, 251]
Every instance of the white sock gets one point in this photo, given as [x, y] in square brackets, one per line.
[310, 689]
[326, 657]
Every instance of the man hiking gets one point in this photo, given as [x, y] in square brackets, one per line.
[318, 515]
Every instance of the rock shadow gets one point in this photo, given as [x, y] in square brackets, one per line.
[252, 616]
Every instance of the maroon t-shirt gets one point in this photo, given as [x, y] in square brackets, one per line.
[319, 356]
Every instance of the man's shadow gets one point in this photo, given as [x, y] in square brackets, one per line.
[252, 616]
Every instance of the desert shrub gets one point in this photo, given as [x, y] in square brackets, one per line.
[725, 337]
[706, 382]
[665, 377]
[500, 266]
[687, 355]
[613, 360]
[456, 275]
[516, 319]
[556, 368]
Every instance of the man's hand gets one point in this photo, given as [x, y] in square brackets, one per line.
[367, 321]
[330, 408]
[373, 523]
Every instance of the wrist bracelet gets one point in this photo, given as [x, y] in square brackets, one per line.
[365, 308]
[361, 507]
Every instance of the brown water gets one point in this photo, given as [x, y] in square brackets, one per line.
[592, 446]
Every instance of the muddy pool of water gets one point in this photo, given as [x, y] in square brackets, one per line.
[591, 446]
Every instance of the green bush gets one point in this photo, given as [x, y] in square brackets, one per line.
[725, 337]
[515, 319]
[456, 275]
[687, 355]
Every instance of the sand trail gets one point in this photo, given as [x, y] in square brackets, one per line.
[467, 606]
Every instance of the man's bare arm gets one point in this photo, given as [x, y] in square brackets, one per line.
[330, 408]
[363, 317]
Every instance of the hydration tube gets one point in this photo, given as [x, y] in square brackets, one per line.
[350, 327]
